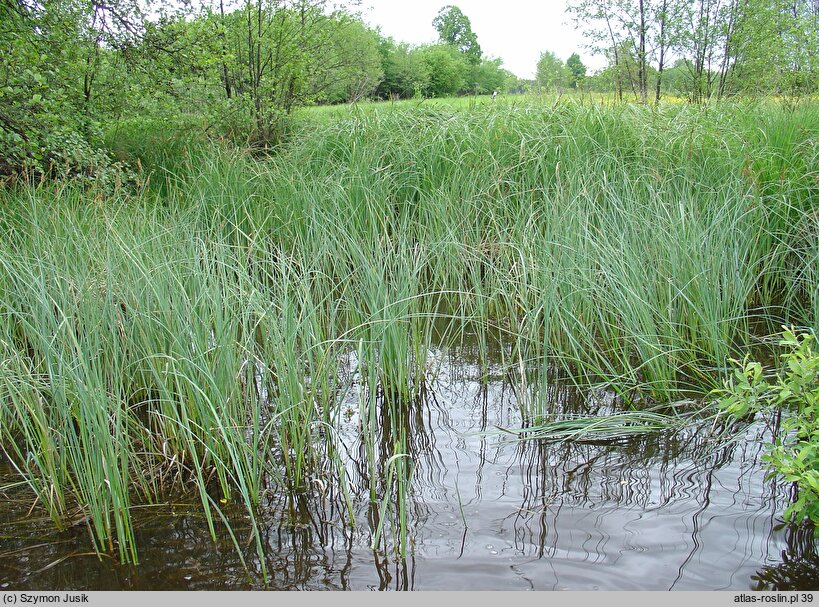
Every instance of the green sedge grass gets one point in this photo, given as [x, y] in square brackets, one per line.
[189, 334]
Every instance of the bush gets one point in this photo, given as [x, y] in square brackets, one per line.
[794, 454]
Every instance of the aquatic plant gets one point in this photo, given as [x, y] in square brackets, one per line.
[191, 333]
[792, 394]
[598, 427]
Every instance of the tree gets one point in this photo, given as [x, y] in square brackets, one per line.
[645, 29]
[551, 73]
[455, 29]
[447, 68]
[624, 61]
[662, 17]
[352, 69]
[486, 77]
[516, 86]
[676, 78]
[284, 53]
[54, 57]
[701, 41]
[749, 46]
[577, 71]
[752, 64]
[612, 25]
[406, 74]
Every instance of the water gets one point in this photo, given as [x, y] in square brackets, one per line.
[487, 512]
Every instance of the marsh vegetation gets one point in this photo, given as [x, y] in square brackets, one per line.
[255, 329]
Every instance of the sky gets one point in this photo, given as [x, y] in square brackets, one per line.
[517, 31]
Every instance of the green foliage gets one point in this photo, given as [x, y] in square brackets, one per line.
[622, 70]
[794, 455]
[51, 66]
[355, 62]
[676, 79]
[447, 69]
[435, 71]
[551, 72]
[577, 71]
[789, 67]
[486, 77]
[406, 74]
[728, 47]
[247, 67]
[455, 29]
[189, 335]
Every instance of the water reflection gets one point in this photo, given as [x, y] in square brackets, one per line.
[655, 511]
[798, 568]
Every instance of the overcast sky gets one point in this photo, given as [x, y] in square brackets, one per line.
[517, 31]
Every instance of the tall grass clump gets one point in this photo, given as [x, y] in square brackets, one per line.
[626, 242]
[191, 335]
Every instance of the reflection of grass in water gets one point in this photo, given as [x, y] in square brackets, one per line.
[190, 334]
[791, 574]
[598, 428]
[716, 431]
[799, 569]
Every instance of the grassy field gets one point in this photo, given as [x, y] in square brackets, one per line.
[471, 102]
[189, 332]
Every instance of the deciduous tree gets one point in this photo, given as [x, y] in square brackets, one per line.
[551, 72]
[455, 29]
[577, 71]
[448, 70]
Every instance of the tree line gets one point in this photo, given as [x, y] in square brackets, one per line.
[69, 67]
[702, 49]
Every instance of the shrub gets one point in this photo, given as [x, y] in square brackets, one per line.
[794, 453]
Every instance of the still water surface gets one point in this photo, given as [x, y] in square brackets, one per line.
[654, 512]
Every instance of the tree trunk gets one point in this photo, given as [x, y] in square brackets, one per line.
[642, 76]
[726, 67]
[701, 46]
[225, 72]
[661, 59]
[617, 75]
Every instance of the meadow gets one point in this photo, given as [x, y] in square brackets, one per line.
[199, 327]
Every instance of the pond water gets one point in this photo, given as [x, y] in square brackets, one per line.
[661, 511]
